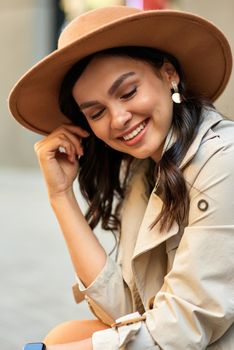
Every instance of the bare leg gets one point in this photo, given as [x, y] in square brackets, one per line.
[73, 331]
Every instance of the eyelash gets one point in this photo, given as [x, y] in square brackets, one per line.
[129, 94]
[95, 116]
[124, 97]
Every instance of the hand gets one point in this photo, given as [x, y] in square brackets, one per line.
[60, 169]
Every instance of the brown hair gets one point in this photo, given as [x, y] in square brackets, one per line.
[99, 174]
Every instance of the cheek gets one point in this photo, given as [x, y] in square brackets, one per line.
[163, 106]
[144, 104]
[99, 129]
[155, 100]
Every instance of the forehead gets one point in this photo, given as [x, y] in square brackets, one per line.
[104, 69]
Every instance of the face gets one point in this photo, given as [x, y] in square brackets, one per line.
[127, 103]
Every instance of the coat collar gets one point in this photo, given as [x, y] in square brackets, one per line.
[150, 238]
[209, 119]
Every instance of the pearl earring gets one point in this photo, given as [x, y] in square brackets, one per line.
[176, 97]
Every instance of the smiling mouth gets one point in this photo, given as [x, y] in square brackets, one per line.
[135, 132]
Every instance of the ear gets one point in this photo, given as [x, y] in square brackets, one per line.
[169, 73]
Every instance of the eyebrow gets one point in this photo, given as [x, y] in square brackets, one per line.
[118, 82]
[110, 91]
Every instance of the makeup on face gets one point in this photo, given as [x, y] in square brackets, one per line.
[126, 104]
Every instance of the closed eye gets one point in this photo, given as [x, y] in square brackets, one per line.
[129, 94]
[97, 115]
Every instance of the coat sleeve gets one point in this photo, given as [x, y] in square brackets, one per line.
[108, 296]
[195, 306]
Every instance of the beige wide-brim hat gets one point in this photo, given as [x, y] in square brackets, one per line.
[200, 47]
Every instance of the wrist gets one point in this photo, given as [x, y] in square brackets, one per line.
[65, 203]
[67, 195]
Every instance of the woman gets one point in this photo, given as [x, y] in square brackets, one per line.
[154, 161]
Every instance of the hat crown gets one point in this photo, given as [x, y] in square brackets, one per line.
[92, 21]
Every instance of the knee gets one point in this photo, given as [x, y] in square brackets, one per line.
[72, 331]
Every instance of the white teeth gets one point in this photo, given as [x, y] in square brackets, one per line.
[135, 132]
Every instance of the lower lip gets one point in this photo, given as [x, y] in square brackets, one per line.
[137, 138]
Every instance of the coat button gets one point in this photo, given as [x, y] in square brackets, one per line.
[202, 205]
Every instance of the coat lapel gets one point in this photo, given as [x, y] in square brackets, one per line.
[149, 238]
[149, 258]
[133, 210]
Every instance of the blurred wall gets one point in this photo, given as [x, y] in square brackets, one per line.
[25, 36]
[221, 14]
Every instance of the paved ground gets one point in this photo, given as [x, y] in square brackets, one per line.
[35, 269]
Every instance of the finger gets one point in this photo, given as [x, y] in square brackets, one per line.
[48, 148]
[68, 149]
[75, 140]
[74, 133]
[75, 129]
[61, 149]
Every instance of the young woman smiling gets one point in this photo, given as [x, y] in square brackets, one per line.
[129, 111]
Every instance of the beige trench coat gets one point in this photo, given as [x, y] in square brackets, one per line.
[183, 280]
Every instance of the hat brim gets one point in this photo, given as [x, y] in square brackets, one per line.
[201, 49]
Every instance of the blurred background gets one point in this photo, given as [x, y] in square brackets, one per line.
[35, 270]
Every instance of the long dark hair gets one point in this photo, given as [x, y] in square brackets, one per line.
[99, 174]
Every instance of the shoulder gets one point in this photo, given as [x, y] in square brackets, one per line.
[215, 150]
[225, 132]
[222, 133]
[210, 177]
[219, 140]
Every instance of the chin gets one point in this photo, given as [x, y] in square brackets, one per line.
[143, 155]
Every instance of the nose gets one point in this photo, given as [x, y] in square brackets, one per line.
[120, 119]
